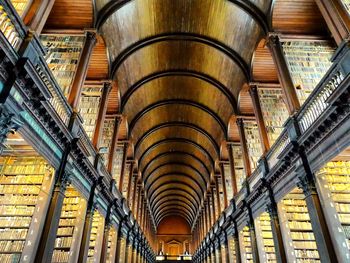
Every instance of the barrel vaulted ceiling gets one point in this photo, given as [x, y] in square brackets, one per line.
[179, 66]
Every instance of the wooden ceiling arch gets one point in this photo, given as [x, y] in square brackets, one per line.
[188, 145]
[175, 202]
[172, 213]
[183, 158]
[168, 197]
[149, 176]
[176, 192]
[179, 82]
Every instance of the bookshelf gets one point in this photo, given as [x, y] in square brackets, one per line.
[112, 245]
[63, 53]
[106, 140]
[89, 106]
[21, 5]
[253, 143]
[221, 193]
[274, 111]
[25, 183]
[308, 61]
[245, 245]
[264, 238]
[296, 227]
[9, 30]
[239, 167]
[228, 182]
[333, 180]
[70, 227]
[96, 238]
[117, 163]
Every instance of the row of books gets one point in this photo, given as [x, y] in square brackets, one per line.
[299, 229]
[245, 245]
[274, 110]
[112, 238]
[63, 53]
[18, 201]
[253, 143]
[106, 140]
[264, 232]
[96, 233]
[308, 61]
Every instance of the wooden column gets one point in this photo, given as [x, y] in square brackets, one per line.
[232, 169]
[237, 247]
[222, 173]
[122, 172]
[48, 235]
[218, 193]
[119, 256]
[37, 14]
[253, 241]
[213, 204]
[101, 115]
[137, 212]
[85, 240]
[276, 232]
[336, 17]
[134, 202]
[244, 147]
[209, 213]
[284, 76]
[226, 255]
[82, 68]
[131, 172]
[264, 138]
[114, 144]
[106, 230]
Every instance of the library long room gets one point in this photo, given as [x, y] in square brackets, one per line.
[204, 131]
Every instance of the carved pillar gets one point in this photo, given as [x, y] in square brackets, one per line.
[222, 172]
[225, 250]
[253, 241]
[129, 193]
[85, 240]
[336, 17]
[237, 247]
[82, 68]
[134, 202]
[122, 172]
[114, 144]
[106, 231]
[209, 213]
[219, 206]
[244, 147]
[232, 169]
[119, 258]
[276, 227]
[284, 76]
[101, 115]
[318, 221]
[213, 205]
[48, 235]
[8, 123]
[37, 15]
[265, 144]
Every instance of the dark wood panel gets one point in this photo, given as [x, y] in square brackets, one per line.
[71, 14]
[298, 16]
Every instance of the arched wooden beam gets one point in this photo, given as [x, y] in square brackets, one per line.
[201, 149]
[175, 163]
[166, 207]
[182, 73]
[172, 208]
[251, 9]
[181, 36]
[180, 192]
[171, 213]
[178, 124]
[178, 102]
[179, 202]
[143, 171]
[150, 194]
[203, 190]
[176, 188]
[173, 196]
